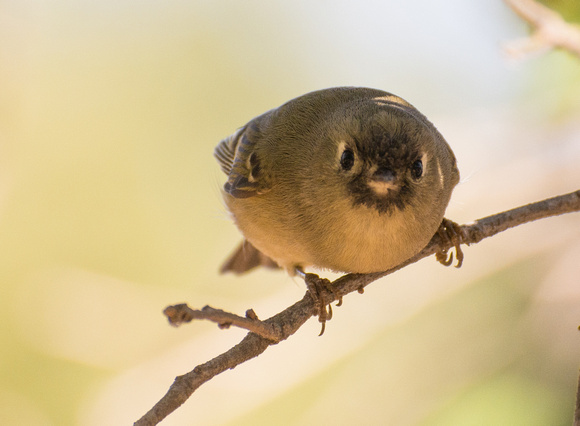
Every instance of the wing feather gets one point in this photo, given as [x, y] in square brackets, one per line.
[237, 158]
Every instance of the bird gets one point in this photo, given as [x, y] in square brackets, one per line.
[346, 179]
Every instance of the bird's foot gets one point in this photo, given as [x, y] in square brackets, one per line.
[320, 290]
[450, 233]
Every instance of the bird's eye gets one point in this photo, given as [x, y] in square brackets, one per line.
[417, 169]
[347, 159]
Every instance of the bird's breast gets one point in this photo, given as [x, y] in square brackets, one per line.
[336, 236]
[362, 240]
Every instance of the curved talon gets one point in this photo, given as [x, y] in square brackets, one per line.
[316, 287]
[444, 257]
[450, 233]
[460, 256]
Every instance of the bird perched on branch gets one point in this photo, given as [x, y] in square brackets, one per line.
[347, 179]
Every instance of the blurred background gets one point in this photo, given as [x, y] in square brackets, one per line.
[110, 210]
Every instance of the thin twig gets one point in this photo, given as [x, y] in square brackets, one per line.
[291, 319]
[179, 314]
[549, 30]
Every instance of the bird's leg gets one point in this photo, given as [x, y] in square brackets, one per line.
[450, 233]
[317, 287]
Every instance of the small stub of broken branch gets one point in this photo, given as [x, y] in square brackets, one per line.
[180, 314]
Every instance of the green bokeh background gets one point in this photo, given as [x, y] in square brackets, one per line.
[110, 211]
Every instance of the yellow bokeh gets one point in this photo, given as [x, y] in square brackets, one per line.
[110, 210]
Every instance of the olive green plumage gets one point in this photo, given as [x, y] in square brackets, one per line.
[347, 179]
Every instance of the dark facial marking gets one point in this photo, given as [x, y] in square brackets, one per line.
[362, 194]
[394, 152]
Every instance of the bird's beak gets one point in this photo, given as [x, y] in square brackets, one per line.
[383, 180]
[384, 175]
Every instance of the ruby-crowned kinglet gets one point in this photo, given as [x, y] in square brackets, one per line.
[347, 179]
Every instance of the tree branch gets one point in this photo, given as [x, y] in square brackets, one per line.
[279, 327]
[179, 314]
[549, 30]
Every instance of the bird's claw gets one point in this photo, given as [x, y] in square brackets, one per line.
[450, 233]
[317, 287]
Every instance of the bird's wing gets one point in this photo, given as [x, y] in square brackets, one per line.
[237, 158]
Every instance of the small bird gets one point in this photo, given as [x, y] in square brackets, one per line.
[347, 179]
